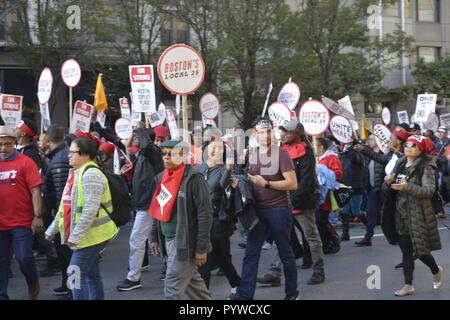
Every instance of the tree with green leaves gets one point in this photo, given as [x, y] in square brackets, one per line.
[433, 77]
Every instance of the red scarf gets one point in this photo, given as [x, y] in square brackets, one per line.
[166, 193]
[67, 204]
[296, 151]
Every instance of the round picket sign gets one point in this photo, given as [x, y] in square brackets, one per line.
[382, 136]
[280, 114]
[123, 128]
[289, 95]
[71, 73]
[341, 128]
[45, 86]
[314, 116]
[209, 106]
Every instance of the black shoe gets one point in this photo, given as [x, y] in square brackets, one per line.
[61, 291]
[242, 245]
[316, 278]
[326, 249]
[366, 242]
[269, 279]
[345, 236]
[127, 285]
[399, 266]
[335, 245]
[306, 266]
[292, 297]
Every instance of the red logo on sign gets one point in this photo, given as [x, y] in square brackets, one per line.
[83, 110]
[141, 74]
[11, 103]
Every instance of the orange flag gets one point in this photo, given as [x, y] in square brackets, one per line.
[100, 102]
[364, 126]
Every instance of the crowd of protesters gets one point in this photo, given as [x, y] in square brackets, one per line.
[187, 202]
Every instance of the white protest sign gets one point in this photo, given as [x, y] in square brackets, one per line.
[347, 104]
[314, 116]
[154, 119]
[172, 123]
[209, 105]
[125, 108]
[123, 128]
[403, 116]
[181, 69]
[280, 114]
[432, 123]
[11, 110]
[386, 115]
[382, 136]
[101, 118]
[81, 119]
[289, 95]
[45, 114]
[341, 129]
[178, 104]
[71, 73]
[116, 162]
[413, 118]
[143, 88]
[45, 86]
[426, 104]
[135, 118]
[337, 108]
[445, 120]
[162, 113]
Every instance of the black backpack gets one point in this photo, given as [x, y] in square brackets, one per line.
[121, 200]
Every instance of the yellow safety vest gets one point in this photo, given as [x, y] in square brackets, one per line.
[103, 228]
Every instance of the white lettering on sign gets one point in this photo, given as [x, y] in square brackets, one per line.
[382, 136]
[341, 129]
[143, 88]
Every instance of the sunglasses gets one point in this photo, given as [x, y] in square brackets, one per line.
[163, 154]
[410, 145]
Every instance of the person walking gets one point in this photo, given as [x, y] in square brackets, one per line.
[83, 220]
[272, 173]
[217, 173]
[408, 215]
[183, 215]
[20, 213]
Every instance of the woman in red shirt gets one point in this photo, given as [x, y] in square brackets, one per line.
[329, 236]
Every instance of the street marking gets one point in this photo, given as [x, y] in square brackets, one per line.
[382, 234]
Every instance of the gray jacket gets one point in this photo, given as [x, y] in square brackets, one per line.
[194, 216]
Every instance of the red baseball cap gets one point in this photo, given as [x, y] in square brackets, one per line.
[161, 131]
[419, 140]
[402, 134]
[80, 134]
[108, 147]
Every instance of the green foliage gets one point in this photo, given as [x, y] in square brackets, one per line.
[433, 77]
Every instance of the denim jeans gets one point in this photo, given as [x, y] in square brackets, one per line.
[20, 241]
[85, 263]
[278, 221]
[373, 210]
[354, 205]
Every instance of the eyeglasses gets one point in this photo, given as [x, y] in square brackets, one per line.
[74, 152]
[410, 145]
[163, 154]
[6, 144]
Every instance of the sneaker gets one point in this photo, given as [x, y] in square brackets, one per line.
[316, 278]
[364, 243]
[233, 290]
[61, 291]
[438, 279]
[405, 291]
[267, 246]
[269, 279]
[145, 268]
[235, 296]
[33, 291]
[127, 285]
[162, 277]
[441, 215]
[292, 297]
[399, 266]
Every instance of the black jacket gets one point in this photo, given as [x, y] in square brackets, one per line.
[218, 179]
[353, 165]
[379, 173]
[147, 165]
[307, 195]
[194, 216]
[382, 159]
[55, 177]
[32, 151]
[244, 204]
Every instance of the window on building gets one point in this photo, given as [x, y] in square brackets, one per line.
[428, 54]
[393, 9]
[428, 10]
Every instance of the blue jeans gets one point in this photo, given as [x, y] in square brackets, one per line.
[90, 285]
[278, 221]
[354, 205]
[20, 241]
[373, 210]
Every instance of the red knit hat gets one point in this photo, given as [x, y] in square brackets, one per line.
[420, 141]
[402, 134]
[80, 134]
[108, 147]
[161, 131]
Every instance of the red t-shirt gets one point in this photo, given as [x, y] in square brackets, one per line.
[67, 204]
[17, 178]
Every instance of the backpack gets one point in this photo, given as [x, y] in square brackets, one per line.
[121, 200]
[341, 197]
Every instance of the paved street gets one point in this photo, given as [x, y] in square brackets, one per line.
[346, 274]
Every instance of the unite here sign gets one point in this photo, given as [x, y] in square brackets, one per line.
[143, 88]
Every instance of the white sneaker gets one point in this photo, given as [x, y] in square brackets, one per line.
[145, 268]
[438, 278]
[266, 246]
[233, 290]
[405, 291]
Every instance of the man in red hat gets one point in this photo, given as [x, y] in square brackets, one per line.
[161, 134]
[26, 137]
